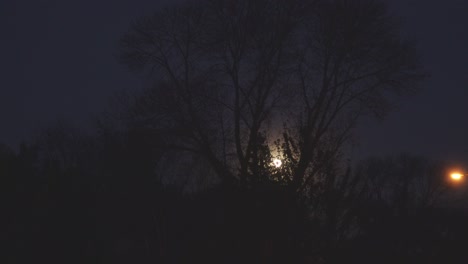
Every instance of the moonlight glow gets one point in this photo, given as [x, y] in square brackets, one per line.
[277, 163]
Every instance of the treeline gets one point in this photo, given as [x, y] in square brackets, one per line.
[80, 199]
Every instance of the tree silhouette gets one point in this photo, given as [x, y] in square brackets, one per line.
[401, 206]
[237, 84]
[231, 77]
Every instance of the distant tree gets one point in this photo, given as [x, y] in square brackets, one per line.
[231, 77]
[7, 159]
[406, 183]
[400, 205]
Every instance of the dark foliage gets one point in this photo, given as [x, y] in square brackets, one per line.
[110, 207]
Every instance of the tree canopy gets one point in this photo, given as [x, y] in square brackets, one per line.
[238, 83]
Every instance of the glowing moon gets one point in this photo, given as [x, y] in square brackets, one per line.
[277, 163]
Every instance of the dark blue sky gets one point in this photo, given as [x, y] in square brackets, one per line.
[434, 122]
[57, 60]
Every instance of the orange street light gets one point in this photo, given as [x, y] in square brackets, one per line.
[456, 176]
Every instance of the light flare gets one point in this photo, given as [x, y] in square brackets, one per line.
[456, 176]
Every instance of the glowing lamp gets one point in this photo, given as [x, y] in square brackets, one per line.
[456, 176]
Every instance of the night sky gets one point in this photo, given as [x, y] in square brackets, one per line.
[58, 60]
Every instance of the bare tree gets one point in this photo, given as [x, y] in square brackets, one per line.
[407, 183]
[231, 77]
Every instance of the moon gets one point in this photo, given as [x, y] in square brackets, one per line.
[277, 163]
